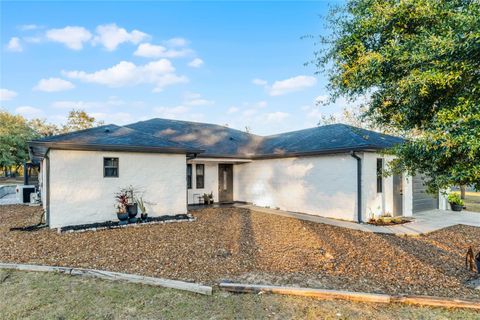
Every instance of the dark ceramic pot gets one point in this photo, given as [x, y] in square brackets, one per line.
[122, 216]
[132, 210]
[456, 207]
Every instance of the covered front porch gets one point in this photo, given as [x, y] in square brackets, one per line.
[213, 177]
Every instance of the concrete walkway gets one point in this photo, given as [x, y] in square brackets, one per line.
[424, 222]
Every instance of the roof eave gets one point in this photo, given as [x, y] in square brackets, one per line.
[318, 153]
[109, 147]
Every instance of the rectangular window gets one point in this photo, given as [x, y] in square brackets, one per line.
[189, 176]
[200, 170]
[379, 175]
[110, 167]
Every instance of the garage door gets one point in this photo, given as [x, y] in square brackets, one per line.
[422, 200]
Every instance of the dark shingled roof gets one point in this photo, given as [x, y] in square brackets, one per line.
[175, 136]
[214, 139]
[329, 138]
[109, 137]
[222, 141]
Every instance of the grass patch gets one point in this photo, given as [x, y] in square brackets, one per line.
[32, 295]
[472, 200]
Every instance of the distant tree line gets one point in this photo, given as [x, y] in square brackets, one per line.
[16, 131]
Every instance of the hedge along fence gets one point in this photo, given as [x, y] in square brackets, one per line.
[353, 296]
[133, 278]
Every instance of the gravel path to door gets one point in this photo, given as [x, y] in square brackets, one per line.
[253, 247]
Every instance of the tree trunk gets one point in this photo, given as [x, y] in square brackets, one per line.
[462, 191]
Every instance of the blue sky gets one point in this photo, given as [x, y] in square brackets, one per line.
[240, 64]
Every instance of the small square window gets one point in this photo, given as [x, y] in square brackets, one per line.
[110, 167]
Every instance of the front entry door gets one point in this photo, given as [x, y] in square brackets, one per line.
[225, 183]
[397, 195]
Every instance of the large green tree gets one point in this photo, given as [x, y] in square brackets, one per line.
[16, 131]
[418, 61]
[79, 120]
[14, 134]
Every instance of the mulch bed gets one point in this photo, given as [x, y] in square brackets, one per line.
[118, 224]
[251, 247]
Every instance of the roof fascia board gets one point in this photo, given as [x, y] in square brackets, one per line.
[107, 147]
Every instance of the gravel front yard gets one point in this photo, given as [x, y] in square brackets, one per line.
[241, 245]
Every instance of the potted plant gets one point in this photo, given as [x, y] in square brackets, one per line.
[132, 208]
[122, 202]
[208, 198]
[143, 210]
[456, 203]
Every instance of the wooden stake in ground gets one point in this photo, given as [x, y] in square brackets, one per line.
[352, 296]
[470, 260]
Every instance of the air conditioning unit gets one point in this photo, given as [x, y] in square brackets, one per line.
[23, 193]
[35, 199]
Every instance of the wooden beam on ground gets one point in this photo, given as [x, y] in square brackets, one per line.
[437, 302]
[306, 292]
[108, 275]
[353, 296]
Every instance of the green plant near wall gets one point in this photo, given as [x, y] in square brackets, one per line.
[454, 198]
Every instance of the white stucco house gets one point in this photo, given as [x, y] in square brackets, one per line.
[331, 171]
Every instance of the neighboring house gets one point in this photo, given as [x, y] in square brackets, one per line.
[331, 171]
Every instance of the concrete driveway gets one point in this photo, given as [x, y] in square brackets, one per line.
[423, 222]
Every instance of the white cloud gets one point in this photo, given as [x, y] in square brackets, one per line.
[249, 112]
[90, 105]
[160, 73]
[291, 85]
[149, 50]
[179, 112]
[53, 85]
[29, 27]
[196, 63]
[262, 104]
[6, 94]
[14, 45]
[195, 99]
[113, 117]
[177, 42]
[276, 117]
[232, 110]
[32, 39]
[111, 36]
[29, 112]
[71, 36]
[259, 82]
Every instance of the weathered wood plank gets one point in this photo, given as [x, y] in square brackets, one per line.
[306, 292]
[437, 302]
[353, 296]
[133, 278]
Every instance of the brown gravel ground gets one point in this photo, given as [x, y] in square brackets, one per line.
[241, 245]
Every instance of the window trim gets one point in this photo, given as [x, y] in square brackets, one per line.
[190, 176]
[111, 167]
[201, 175]
[379, 170]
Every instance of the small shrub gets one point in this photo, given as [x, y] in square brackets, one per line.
[454, 198]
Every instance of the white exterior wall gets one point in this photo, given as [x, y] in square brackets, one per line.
[376, 204]
[210, 178]
[320, 185]
[80, 194]
[42, 183]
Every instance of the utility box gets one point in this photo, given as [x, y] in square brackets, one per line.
[23, 193]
